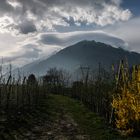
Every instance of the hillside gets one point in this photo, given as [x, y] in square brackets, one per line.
[85, 53]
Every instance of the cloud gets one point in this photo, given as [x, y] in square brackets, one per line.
[67, 39]
[31, 51]
[26, 27]
[128, 31]
[5, 7]
[26, 54]
[27, 16]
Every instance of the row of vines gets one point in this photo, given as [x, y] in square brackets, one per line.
[114, 96]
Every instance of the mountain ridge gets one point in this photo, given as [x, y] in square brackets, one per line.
[85, 53]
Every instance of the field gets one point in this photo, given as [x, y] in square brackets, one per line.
[59, 118]
[106, 107]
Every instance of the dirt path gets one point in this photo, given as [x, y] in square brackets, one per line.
[58, 124]
[59, 118]
[63, 128]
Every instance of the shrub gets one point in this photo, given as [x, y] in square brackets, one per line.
[126, 101]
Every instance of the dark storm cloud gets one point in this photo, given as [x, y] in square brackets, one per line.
[5, 7]
[49, 3]
[38, 7]
[70, 21]
[43, 15]
[26, 27]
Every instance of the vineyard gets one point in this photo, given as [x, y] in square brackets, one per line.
[113, 96]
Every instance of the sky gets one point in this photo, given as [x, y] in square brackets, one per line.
[35, 29]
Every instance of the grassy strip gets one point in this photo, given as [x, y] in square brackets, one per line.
[90, 123]
[50, 110]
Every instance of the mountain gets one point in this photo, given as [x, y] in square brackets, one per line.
[84, 53]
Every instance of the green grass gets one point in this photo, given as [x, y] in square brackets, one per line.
[54, 108]
[89, 122]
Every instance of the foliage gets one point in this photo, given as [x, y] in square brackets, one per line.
[31, 79]
[95, 93]
[19, 95]
[126, 102]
